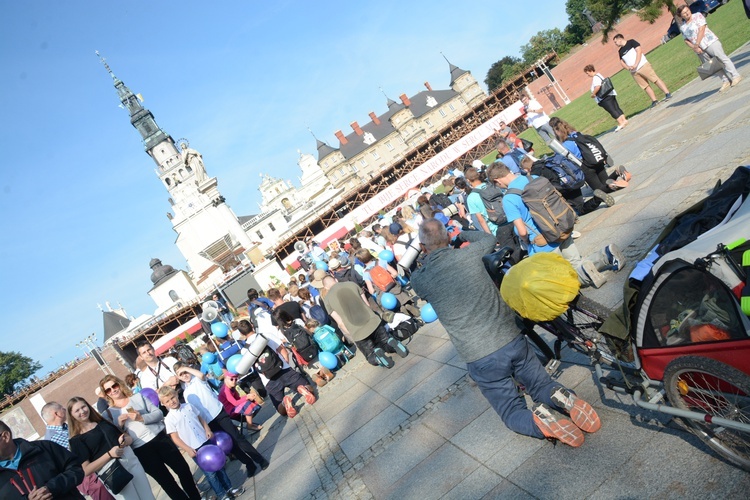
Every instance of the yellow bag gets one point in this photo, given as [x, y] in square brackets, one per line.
[540, 287]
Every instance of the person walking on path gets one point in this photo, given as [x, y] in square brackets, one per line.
[705, 44]
[608, 102]
[634, 60]
[537, 118]
[482, 328]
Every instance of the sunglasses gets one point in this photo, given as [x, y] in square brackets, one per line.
[230, 378]
[109, 389]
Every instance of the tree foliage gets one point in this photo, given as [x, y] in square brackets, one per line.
[648, 10]
[499, 72]
[543, 43]
[579, 27]
[15, 368]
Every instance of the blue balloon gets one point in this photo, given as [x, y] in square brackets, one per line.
[209, 358]
[319, 264]
[221, 330]
[210, 458]
[389, 301]
[386, 255]
[328, 360]
[232, 363]
[428, 313]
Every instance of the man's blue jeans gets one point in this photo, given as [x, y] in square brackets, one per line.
[494, 375]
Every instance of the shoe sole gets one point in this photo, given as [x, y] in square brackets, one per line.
[596, 278]
[623, 172]
[382, 358]
[397, 346]
[309, 396]
[607, 199]
[617, 254]
[581, 413]
[291, 411]
[563, 430]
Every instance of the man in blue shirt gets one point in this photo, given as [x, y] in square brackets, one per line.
[516, 211]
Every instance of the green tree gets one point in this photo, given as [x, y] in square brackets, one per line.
[15, 368]
[579, 27]
[543, 43]
[498, 72]
[648, 10]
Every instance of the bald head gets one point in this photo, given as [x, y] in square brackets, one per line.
[328, 282]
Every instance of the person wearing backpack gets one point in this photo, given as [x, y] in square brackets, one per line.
[593, 158]
[522, 191]
[484, 203]
[381, 278]
[510, 157]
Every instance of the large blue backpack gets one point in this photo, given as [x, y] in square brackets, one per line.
[569, 175]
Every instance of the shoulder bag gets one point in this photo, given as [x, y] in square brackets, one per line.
[116, 477]
[605, 88]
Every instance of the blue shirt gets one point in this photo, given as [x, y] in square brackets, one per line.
[515, 208]
[570, 145]
[13, 463]
[475, 205]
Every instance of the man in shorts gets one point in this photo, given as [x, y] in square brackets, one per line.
[634, 60]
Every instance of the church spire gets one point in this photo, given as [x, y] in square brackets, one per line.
[140, 117]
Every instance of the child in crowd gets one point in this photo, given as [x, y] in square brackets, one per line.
[190, 433]
[324, 375]
[236, 405]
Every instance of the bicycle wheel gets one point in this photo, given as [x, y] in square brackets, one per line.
[709, 386]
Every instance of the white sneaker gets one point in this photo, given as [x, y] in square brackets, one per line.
[736, 81]
[725, 86]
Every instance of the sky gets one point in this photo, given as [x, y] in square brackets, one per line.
[83, 211]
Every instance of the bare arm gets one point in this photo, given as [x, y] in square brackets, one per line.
[638, 56]
[340, 322]
[483, 223]
[523, 233]
[192, 371]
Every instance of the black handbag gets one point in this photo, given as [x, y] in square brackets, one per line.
[605, 88]
[116, 477]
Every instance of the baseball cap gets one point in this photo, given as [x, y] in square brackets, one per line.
[395, 228]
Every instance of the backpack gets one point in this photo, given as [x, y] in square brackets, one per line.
[549, 210]
[440, 201]
[350, 275]
[319, 314]
[492, 197]
[517, 156]
[404, 330]
[569, 175]
[381, 278]
[251, 309]
[327, 339]
[302, 341]
[592, 151]
[268, 363]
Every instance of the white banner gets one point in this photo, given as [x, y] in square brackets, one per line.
[424, 171]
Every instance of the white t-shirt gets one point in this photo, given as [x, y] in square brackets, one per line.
[199, 394]
[153, 378]
[535, 115]
[184, 421]
[596, 81]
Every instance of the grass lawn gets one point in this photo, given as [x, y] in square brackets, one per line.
[674, 62]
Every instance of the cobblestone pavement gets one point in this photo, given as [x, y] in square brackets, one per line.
[423, 430]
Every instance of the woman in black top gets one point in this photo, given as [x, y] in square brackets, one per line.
[97, 443]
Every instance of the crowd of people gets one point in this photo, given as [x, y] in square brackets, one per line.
[358, 296]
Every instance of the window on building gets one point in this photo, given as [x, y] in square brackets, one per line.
[355, 169]
[363, 162]
[260, 235]
[189, 169]
[333, 177]
[271, 227]
[461, 100]
[400, 140]
[169, 183]
[342, 172]
[174, 296]
[389, 146]
[442, 112]
[451, 106]
[428, 122]
[375, 155]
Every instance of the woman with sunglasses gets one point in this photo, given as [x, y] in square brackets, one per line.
[97, 443]
[144, 423]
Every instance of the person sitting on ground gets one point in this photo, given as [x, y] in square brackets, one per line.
[348, 307]
[236, 405]
[273, 367]
[199, 394]
[574, 197]
[324, 375]
[405, 300]
[190, 432]
[516, 211]
[483, 330]
[510, 156]
[52, 471]
[596, 173]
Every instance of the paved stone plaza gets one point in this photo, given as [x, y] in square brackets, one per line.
[423, 430]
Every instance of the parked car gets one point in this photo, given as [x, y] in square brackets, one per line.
[702, 6]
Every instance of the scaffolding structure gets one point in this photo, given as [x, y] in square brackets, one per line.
[496, 102]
